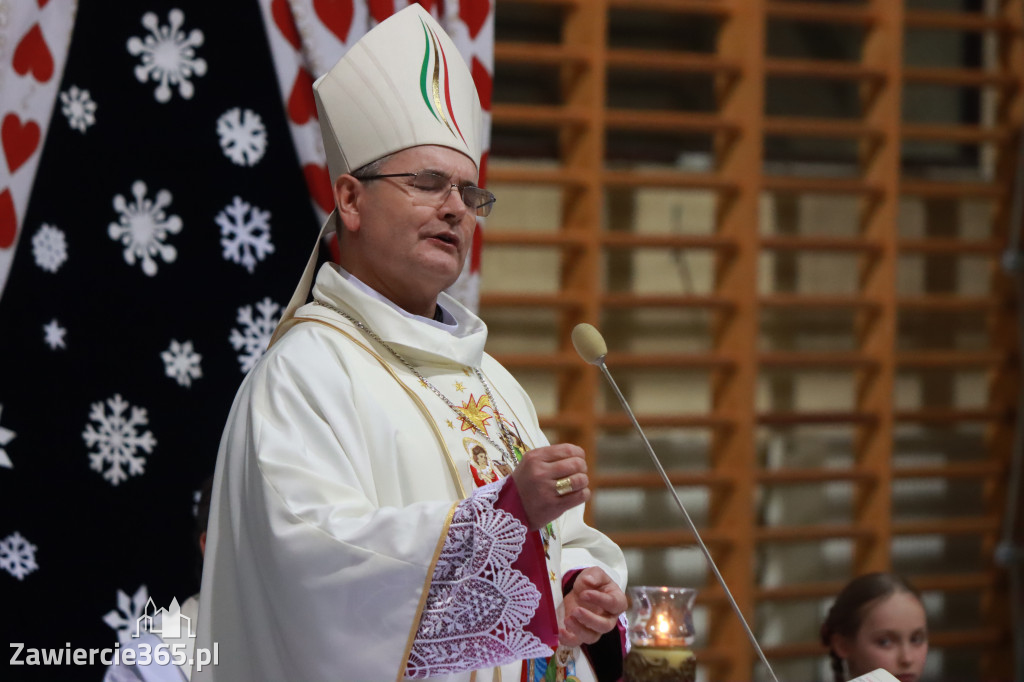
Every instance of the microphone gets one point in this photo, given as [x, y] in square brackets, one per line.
[592, 348]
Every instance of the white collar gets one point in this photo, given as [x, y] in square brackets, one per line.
[448, 322]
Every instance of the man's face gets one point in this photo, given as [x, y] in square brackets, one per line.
[410, 244]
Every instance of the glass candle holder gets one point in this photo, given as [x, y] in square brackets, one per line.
[660, 634]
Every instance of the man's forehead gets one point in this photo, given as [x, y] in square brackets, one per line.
[433, 157]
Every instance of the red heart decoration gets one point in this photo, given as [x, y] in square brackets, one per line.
[42, 3]
[484, 83]
[8, 220]
[474, 13]
[381, 9]
[19, 141]
[301, 106]
[336, 15]
[318, 180]
[33, 55]
[285, 21]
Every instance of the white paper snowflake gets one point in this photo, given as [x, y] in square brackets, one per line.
[6, 436]
[143, 226]
[125, 618]
[49, 248]
[242, 136]
[244, 235]
[255, 334]
[53, 335]
[181, 362]
[118, 440]
[78, 107]
[17, 555]
[168, 55]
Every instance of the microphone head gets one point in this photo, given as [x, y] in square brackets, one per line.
[589, 343]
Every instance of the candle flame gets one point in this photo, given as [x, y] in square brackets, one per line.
[662, 625]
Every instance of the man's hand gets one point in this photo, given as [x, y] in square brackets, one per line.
[592, 608]
[537, 475]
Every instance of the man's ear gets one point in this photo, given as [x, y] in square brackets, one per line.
[347, 193]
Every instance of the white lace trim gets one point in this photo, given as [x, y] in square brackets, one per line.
[477, 605]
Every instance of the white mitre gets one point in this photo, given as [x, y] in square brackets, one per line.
[403, 84]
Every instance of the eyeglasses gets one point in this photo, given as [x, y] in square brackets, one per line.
[477, 199]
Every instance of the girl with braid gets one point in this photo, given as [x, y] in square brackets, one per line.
[877, 621]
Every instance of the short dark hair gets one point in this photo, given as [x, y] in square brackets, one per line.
[847, 612]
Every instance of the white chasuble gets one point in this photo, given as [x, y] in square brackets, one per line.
[353, 534]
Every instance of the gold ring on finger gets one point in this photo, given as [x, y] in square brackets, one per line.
[563, 486]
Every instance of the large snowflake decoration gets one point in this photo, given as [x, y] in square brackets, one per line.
[125, 618]
[168, 55]
[49, 248]
[244, 233]
[53, 335]
[117, 440]
[6, 436]
[143, 226]
[181, 362]
[255, 334]
[242, 136]
[17, 555]
[78, 107]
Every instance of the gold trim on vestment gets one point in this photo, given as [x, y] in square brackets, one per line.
[425, 592]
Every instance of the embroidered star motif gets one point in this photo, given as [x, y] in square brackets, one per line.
[473, 415]
[459, 386]
[554, 578]
[449, 422]
[465, 370]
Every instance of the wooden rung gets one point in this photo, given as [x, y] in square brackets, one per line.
[795, 126]
[661, 178]
[789, 183]
[816, 360]
[950, 246]
[970, 78]
[545, 54]
[795, 650]
[537, 175]
[798, 591]
[948, 526]
[804, 301]
[964, 639]
[641, 240]
[622, 421]
[682, 361]
[948, 133]
[680, 301]
[552, 3]
[944, 359]
[789, 243]
[975, 22]
[947, 304]
[554, 301]
[545, 361]
[679, 62]
[956, 582]
[793, 476]
[676, 122]
[957, 470]
[710, 7]
[818, 11]
[799, 418]
[649, 539]
[946, 416]
[829, 70]
[654, 480]
[534, 115]
[562, 238]
[808, 533]
[951, 190]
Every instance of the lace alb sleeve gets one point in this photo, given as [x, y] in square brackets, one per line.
[478, 606]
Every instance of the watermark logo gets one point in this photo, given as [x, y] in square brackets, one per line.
[162, 637]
